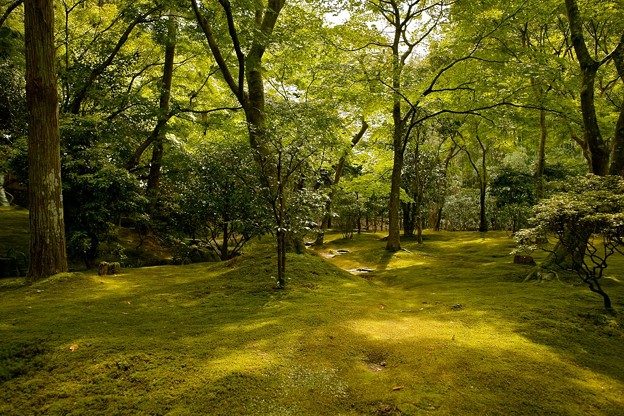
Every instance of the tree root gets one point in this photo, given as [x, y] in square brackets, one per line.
[541, 274]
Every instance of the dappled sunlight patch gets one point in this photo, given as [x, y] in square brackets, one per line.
[254, 326]
[246, 361]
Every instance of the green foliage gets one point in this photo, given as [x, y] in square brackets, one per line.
[587, 219]
[514, 193]
[12, 96]
[221, 199]
[96, 193]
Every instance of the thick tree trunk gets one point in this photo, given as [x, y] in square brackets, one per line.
[589, 67]
[153, 180]
[47, 229]
[617, 152]
[398, 143]
[593, 137]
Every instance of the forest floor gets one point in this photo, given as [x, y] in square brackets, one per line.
[445, 328]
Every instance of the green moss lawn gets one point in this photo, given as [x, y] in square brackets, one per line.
[446, 328]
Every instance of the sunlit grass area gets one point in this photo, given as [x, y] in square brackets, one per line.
[447, 327]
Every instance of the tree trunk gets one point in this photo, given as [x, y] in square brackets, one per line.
[47, 229]
[417, 217]
[617, 152]
[483, 225]
[541, 156]
[394, 242]
[8, 11]
[408, 219]
[225, 242]
[327, 218]
[438, 222]
[398, 143]
[589, 67]
[569, 253]
[253, 100]
[153, 180]
[4, 201]
[281, 234]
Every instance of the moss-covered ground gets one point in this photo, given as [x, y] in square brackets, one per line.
[13, 230]
[446, 328]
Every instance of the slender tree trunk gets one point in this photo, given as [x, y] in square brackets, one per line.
[281, 231]
[153, 180]
[252, 100]
[483, 225]
[8, 11]
[327, 218]
[418, 214]
[438, 222]
[47, 229]
[408, 219]
[541, 155]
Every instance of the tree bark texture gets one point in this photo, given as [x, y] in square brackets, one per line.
[394, 240]
[4, 201]
[47, 230]
[617, 151]
[599, 153]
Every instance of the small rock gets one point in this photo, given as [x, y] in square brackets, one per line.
[519, 259]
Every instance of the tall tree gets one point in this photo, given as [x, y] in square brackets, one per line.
[153, 180]
[589, 65]
[47, 230]
[248, 70]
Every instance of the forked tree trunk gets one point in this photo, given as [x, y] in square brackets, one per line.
[47, 229]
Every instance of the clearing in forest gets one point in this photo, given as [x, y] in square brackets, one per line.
[446, 327]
